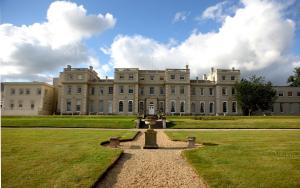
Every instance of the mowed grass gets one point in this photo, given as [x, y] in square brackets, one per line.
[55, 157]
[256, 158]
[70, 121]
[234, 122]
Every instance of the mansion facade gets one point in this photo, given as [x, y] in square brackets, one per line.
[134, 91]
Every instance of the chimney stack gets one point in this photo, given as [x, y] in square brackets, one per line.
[186, 66]
[212, 69]
[233, 68]
[91, 67]
[106, 77]
[197, 78]
[69, 67]
[204, 77]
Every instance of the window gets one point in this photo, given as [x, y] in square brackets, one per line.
[281, 107]
[224, 91]
[202, 107]
[141, 107]
[20, 104]
[78, 102]
[120, 106]
[142, 90]
[129, 106]
[225, 106]
[91, 105]
[161, 106]
[291, 107]
[151, 77]
[193, 91]
[193, 107]
[110, 90]
[101, 90]
[290, 93]
[234, 110]
[69, 90]
[223, 77]
[161, 90]
[130, 90]
[232, 77]
[181, 77]
[27, 91]
[130, 76]
[69, 105]
[39, 91]
[182, 106]
[211, 107]
[70, 76]
[21, 91]
[101, 106]
[161, 78]
[121, 89]
[201, 91]
[79, 77]
[11, 105]
[93, 91]
[12, 91]
[211, 91]
[121, 76]
[298, 93]
[173, 90]
[172, 106]
[181, 89]
[78, 89]
[151, 91]
[280, 93]
[172, 76]
[142, 78]
[32, 105]
[233, 91]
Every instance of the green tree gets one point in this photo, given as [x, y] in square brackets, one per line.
[294, 80]
[255, 94]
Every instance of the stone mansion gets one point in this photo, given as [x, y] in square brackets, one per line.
[134, 91]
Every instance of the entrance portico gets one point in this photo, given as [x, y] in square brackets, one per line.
[151, 106]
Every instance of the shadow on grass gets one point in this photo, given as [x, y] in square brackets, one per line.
[209, 144]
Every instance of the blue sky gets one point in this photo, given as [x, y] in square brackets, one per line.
[153, 25]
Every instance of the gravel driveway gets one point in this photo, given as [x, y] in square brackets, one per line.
[162, 167]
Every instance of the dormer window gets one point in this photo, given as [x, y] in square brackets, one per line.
[121, 77]
[232, 77]
[172, 76]
[181, 77]
[223, 77]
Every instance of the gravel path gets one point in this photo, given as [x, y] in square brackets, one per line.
[162, 167]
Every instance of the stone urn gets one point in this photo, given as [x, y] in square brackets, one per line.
[150, 135]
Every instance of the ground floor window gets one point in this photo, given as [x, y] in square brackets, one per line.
[69, 105]
[101, 106]
[141, 107]
[109, 106]
[121, 106]
[202, 107]
[173, 106]
[161, 106]
[193, 107]
[211, 107]
[281, 107]
[78, 103]
[224, 106]
[130, 106]
[182, 106]
[234, 107]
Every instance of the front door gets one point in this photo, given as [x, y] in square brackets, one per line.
[151, 109]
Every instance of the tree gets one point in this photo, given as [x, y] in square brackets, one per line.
[294, 80]
[255, 94]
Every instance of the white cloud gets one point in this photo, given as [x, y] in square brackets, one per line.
[29, 52]
[215, 12]
[257, 37]
[180, 16]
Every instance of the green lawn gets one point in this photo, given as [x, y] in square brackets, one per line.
[55, 157]
[215, 122]
[70, 121]
[256, 158]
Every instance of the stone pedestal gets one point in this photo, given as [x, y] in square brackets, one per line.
[114, 142]
[150, 139]
[191, 142]
[138, 121]
[164, 124]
